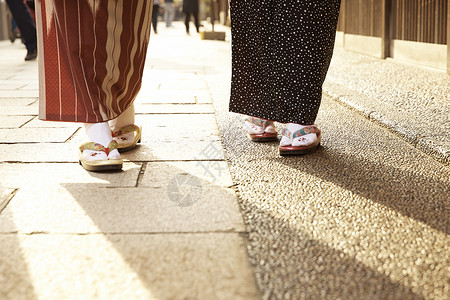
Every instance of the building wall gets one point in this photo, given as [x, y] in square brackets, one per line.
[402, 29]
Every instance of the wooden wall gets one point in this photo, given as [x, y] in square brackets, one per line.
[410, 20]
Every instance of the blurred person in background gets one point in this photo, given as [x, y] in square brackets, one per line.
[25, 23]
[155, 14]
[169, 12]
[190, 8]
[14, 32]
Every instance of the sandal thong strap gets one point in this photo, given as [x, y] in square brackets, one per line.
[99, 147]
[257, 121]
[125, 129]
[301, 132]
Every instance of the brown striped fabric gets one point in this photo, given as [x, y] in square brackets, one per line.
[91, 57]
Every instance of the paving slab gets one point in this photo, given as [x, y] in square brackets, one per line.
[28, 73]
[186, 204]
[160, 174]
[180, 66]
[150, 86]
[39, 175]
[4, 101]
[37, 123]
[11, 84]
[39, 152]
[182, 80]
[150, 150]
[170, 84]
[5, 195]
[18, 70]
[9, 122]
[174, 97]
[183, 85]
[160, 76]
[163, 97]
[163, 266]
[29, 110]
[15, 280]
[174, 109]
[14, 93]
[34, 135]
[183, 149]
[175, 127]
[166, 227]
[30, 84]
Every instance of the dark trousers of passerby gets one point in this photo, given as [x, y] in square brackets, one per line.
[155, 17]
[25, 22]
[187, 20]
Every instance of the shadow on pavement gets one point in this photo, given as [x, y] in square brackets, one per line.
[361, 218]
[292, 264]
[411, 192]
[319, 269]
[183, 241]
[15, 280]
[416, 196]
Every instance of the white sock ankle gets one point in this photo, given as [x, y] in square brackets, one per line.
[304, 140]
[99, 133]
[124, 119]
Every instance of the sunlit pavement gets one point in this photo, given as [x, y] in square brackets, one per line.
[167, 227]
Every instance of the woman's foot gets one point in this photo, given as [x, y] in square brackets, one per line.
[124, 132]
[100, 153]
[127, 137]
[299, 139]
[260, 130]
[94, 157]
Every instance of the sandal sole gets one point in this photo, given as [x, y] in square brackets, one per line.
[292, 151]
[299, 150]
[265, 137]
[99, 167]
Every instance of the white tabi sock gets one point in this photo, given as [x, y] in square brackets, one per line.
[304, 140]
[99, 133]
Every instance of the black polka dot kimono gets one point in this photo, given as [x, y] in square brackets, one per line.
[281, 53]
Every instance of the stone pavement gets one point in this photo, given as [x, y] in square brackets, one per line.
[167, 227]
[412, 102]
[365, 217]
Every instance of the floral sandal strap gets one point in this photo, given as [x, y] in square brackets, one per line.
[99, 147]
[301, 132]
[258, 122]
[125, 129]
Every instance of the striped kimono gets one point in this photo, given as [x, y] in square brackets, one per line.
[91, 57]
